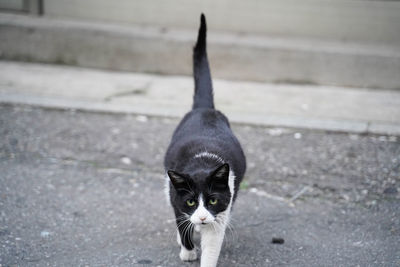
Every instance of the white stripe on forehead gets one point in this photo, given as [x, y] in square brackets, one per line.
[206, 154]
[201, 201]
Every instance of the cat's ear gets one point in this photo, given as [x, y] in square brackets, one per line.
[220, 177]
[177, 180]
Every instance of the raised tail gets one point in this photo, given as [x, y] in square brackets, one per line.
[203, 94]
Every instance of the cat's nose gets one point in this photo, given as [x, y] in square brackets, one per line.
[202, 219]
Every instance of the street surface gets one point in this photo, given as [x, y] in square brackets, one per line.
[86, 189]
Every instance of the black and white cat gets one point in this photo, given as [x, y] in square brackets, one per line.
[204, 166]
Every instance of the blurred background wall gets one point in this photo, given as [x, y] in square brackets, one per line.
[352, 43]
[346, 20]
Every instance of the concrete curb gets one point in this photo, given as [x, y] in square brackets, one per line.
[307, 107]
[356, 127]
[167, 51]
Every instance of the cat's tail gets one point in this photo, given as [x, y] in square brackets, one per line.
[203, 94]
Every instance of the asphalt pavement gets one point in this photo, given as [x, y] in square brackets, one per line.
[86, 189]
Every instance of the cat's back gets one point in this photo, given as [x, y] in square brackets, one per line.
[205, 130]
[203, 123]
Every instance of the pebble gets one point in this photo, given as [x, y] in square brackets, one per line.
[142, 118]
[145, 261]
[44, 234]
[390, 190]
[297, 136]
[275, 132]
[253, 190]
[278, 240]
[126, 160]
[382, 138]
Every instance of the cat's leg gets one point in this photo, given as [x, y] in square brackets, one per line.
[212, 238]
[184, 238]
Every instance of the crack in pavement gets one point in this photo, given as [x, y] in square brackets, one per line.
[137, 91]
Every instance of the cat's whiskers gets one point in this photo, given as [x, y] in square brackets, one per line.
[181, 220]
[183, 216]
[179, 224]
[224, 221]
[213, 224]
[188, 228]
[172, 235]
[232, 232]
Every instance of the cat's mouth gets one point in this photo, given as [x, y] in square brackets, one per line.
[202, 223]
[205, 223]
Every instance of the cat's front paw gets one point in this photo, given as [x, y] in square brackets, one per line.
[188, 255]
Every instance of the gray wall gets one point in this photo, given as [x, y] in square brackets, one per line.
[375, 22]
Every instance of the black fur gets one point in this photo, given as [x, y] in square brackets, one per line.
[203, 97]
[203, 129]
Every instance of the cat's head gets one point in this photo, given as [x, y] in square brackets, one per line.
[203, 195]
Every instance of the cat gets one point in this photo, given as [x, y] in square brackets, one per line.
[204, 166]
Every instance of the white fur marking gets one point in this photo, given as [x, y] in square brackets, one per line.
[213, 237]
[211, 243]
[201, 212]
[206, 154]
[178, 238]
[166, 189]
[187, 255]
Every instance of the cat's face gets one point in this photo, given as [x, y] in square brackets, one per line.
[202, 196]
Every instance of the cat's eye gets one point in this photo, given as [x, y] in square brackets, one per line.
[190, 202]
[213, 201]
